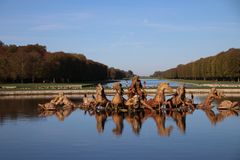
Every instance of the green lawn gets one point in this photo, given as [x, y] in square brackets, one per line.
[79, 86]
[207, 83]
[203, 81]
[45, 86]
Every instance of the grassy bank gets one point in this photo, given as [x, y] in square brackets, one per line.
[207, 83]
[50, 86]
[203, 81]
[46, 86]
[226, 91]
[198, 84]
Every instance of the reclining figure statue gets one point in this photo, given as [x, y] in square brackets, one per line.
[227, 104]
[60, 101]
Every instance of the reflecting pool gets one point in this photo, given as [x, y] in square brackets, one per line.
[26, 133]
[150, 83]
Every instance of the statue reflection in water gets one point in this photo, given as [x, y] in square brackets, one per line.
[118, 120]
[61, 114]
[137, 119]
[180, 119]
[137, 108]
[220, 115]
[101, 118]
[160, 120]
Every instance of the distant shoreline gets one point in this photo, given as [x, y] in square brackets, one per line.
[226, 91]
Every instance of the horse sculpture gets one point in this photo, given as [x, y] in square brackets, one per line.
[212, 95]
[137, 99]
[137, 109]
[137, 94]
[179, 99]
[118, 99]
[159, 98]
[101, 99]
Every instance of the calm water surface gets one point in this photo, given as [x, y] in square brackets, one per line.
[150, 83]
[25, 133]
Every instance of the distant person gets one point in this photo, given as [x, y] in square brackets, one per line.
[144, 84]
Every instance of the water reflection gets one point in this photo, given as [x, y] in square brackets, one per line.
[160, 120]
[13, 109]
[118, 121]
[150, 83]
[180, 119]
[134, 119]
[137, 119]
[165, 121]
[218, 117]
[101, 118]
[61, 114]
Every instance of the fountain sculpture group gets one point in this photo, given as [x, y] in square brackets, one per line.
[137, 99]
[136, 108]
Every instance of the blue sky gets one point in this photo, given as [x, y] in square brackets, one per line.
[141, 35]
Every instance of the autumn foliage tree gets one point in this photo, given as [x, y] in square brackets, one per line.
[33, 63]
[223, 66]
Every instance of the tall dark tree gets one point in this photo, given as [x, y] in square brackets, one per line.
[33, 63]
[223, 66]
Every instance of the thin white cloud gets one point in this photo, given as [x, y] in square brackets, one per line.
[60, 21]
[64, 16]
[12, 38]
[127, 44]
[127, 40]
[47, 27]
[78, 15]
[49, 21]
[164, 27]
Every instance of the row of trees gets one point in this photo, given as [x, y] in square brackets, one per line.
[114, 73]
[33, 63]
[223, 66]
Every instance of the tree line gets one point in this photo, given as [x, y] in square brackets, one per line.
[33, 63]
[223, 66]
